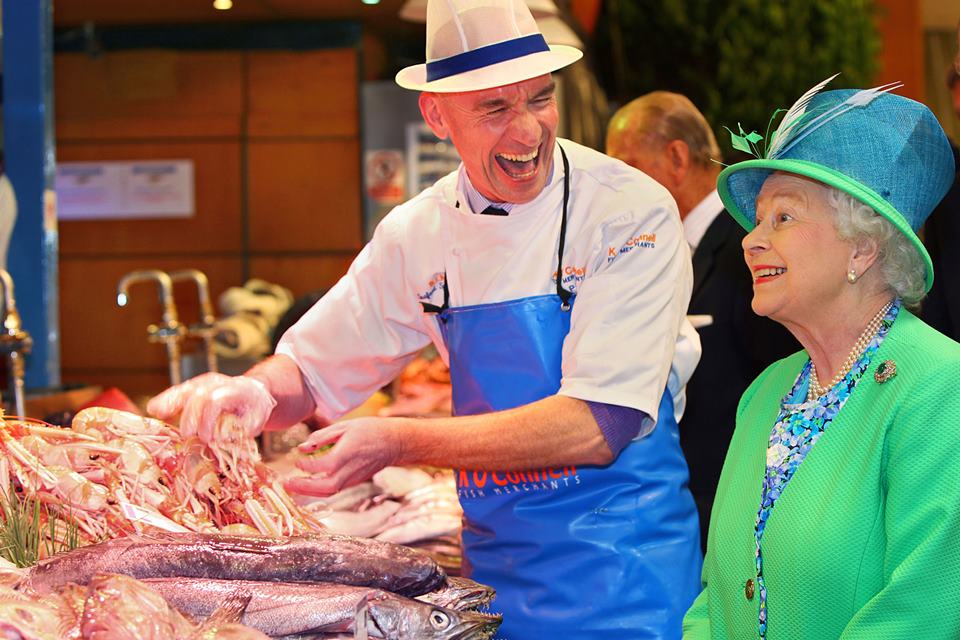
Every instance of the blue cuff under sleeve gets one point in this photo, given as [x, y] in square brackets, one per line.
[619, 425]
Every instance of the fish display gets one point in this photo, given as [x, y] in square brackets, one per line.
[164, 526]
[321, 610]
[315, 558]
[114, 473]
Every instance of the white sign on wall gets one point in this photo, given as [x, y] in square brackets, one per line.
[122, 190]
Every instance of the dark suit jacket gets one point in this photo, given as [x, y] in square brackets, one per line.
[737, 346]
[941, 307]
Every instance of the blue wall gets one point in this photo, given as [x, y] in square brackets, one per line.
[30, 164]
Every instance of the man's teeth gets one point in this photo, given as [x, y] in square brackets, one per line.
[517, 158]
[772, 271]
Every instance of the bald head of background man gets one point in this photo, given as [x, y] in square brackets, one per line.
[664, 135]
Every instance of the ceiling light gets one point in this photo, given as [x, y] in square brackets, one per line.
[222, 5]
[370, 1]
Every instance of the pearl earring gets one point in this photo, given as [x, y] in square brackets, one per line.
[851, 276]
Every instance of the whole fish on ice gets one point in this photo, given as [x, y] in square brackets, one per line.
[315, 558]
[326, 610]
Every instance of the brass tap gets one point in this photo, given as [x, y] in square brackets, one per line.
[14, 342]
[171, 331]
[205, 329]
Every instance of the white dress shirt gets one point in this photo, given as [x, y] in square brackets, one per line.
[700, 218]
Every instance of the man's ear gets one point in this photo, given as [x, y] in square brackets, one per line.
[432, 115]
[678, 159]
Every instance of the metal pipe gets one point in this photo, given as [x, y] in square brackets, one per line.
[16, 369]
[205, 329]
[15, 342]
[171, 331]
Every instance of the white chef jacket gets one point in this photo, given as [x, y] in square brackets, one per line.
[625, 258]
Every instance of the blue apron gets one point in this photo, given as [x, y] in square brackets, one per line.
[573, 552]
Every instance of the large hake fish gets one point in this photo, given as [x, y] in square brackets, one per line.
[325, 610]
[314, 558]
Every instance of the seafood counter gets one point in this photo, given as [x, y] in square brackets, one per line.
[123, 529]
[208, 585]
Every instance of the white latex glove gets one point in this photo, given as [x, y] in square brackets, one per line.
[202, 401]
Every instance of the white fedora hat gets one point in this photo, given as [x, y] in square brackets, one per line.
[416, 10]
[545, 12]
[479, 44]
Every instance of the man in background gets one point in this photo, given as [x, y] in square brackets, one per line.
[664, 135]
[941, 235]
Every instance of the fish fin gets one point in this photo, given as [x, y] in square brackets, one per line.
[231, 610]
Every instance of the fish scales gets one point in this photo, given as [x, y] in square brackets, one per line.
[276, 608]
[314, 558]
[324, 610]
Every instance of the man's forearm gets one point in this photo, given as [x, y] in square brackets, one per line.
[285, 383]
[555, 431]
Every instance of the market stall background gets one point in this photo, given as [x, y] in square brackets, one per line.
[267, 102]
[277, 137]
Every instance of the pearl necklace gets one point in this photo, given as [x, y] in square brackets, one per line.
[815, 390]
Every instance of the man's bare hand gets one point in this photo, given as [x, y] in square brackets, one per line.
[361, 447]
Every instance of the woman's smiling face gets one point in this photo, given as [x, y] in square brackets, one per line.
[797, 260]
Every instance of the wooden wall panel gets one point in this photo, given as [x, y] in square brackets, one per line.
[311, 93]
[97, 334]
[147, 93]
[901, 56]
[301, 274]
[216, 226]
[305, 195]
[295, 169]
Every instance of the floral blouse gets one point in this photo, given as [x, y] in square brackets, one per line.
[798, 427]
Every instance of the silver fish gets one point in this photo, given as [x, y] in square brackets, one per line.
[326, 610]
[315, 558]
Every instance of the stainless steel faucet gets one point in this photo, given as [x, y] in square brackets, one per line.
[14, 342]
[171, 331]
[205, 329]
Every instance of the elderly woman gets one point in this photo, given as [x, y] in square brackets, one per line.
[838, 509]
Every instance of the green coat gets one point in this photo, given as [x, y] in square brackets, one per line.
[864, 543]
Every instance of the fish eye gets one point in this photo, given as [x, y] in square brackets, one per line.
[439, 620]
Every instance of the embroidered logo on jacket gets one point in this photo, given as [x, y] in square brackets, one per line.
[572, 276]
[643, 241]
[435, 284]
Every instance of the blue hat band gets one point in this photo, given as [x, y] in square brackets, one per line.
[486, 56]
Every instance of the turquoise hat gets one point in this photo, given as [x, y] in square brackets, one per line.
[885, 150]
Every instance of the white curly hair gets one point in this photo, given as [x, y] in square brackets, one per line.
[900, 263]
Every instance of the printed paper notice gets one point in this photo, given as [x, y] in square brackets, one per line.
[122, 190]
